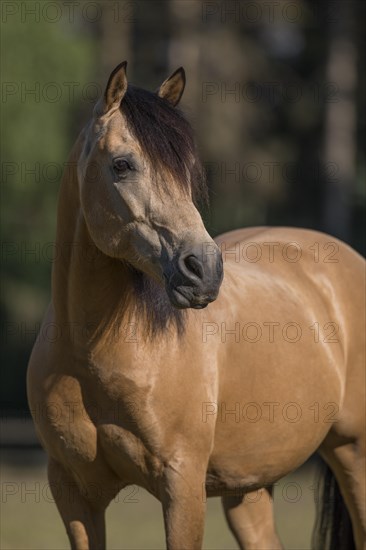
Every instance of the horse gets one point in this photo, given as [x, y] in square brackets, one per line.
[189, 366]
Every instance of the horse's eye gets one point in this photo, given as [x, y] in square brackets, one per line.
[121, 167]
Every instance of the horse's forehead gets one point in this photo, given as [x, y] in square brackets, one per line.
[114, 133]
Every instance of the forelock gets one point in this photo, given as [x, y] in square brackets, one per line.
[166, 138]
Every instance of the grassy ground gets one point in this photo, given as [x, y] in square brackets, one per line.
[30, 521]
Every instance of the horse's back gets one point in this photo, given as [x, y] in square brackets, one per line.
[299, 256]
[300, 244]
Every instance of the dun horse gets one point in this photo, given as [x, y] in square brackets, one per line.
[142, 384]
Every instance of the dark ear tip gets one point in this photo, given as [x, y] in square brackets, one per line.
[120, 66]
[182, 73]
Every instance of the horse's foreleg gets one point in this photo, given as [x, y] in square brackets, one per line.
[250, 518]
[183, 499]
[83, 519]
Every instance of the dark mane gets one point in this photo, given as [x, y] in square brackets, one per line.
[153, 305]
[166, 138]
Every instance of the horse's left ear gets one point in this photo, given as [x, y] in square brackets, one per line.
[114, 92]
[173, 87]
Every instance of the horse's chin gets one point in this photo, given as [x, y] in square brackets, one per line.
[184, 298]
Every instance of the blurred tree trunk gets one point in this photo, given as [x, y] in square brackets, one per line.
[185, 47]
[151, 36]
[115, 36]
[339, 154]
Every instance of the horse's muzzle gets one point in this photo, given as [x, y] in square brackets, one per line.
[194, 277]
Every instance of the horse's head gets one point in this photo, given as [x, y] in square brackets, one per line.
[139, 179]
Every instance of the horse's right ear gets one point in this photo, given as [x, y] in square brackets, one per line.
[173, 87]
[114, 92]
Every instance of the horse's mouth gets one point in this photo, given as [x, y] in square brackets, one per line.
[184, 297]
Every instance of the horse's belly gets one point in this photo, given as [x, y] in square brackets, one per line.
[271, 415]
[256, 454]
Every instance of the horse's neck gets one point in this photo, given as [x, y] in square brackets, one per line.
[90, 291]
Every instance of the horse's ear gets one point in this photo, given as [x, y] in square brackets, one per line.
[173, 87]
[114, 92]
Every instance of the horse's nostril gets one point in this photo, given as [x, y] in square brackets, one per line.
[194, 266]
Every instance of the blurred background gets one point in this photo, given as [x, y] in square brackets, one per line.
[275, 92]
